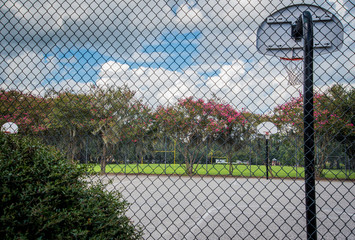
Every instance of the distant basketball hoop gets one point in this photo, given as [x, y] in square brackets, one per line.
[267, 135]
[266, 129]
[9, 128]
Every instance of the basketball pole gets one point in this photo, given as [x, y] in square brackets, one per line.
[304, 28]
[267, 155]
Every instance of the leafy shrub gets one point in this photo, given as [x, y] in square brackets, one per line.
[42, 196]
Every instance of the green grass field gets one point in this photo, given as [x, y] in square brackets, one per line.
[218, 170]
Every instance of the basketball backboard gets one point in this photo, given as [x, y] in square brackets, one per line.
[266, 128]
[274, 36]
[9, 128]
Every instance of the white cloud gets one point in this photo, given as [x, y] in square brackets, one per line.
[243, 89]
[155, 86]
[188, 17]
[141, 57]
[25, 72]
[112, 27]
[120, 29]
[65, 85]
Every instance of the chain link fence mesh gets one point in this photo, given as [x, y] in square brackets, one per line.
[162, 99]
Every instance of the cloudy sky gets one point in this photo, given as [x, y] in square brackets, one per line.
[164, 50]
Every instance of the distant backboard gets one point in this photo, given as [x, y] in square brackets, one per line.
[266, 128]
[274, 34]
[9, 128]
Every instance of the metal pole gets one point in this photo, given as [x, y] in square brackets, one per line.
[86, 150]
[125, 161]
[207, 156]
[174, 153]
[267, 156]
[309, 127]
[165, 153]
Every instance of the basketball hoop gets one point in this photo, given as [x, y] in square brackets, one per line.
[294, 70]
[267, 135]
[266, 129]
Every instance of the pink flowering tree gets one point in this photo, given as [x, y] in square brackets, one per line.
[188, 123]
[328, 123]
[194, 123]
[341, 102]
[234, 129]
[26, 110]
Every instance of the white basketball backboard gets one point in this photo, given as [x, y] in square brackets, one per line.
[9, 127]
[274, 34]
[266, 128]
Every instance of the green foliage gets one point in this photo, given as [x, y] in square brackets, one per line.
[121, 120]
[42, 196]
[108, 125]
[333, 122]
[197, 123]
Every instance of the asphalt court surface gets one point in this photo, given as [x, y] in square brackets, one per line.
[181, 207]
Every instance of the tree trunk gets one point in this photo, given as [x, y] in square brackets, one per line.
[322, 157]
[230, 168]
[103, 160]
[189, 167]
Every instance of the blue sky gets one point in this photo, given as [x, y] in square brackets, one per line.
[82, 64]
[164, 50]
[179, 47]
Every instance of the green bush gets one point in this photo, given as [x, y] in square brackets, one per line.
[42, 196]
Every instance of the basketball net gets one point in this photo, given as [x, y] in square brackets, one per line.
[294, 70]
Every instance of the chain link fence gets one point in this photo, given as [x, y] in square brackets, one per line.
[162, 100]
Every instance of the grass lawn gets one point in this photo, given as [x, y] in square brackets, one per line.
[219, 169]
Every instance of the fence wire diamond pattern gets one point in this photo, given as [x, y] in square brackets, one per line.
[162, 99]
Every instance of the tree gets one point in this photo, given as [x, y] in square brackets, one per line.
[70, 120]
[341, 101]
[195, 123]
[329, 124]
[190, 125]
[26, 110]
[233, 128]
[121, 120]
[142, 130]
[111, 109]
